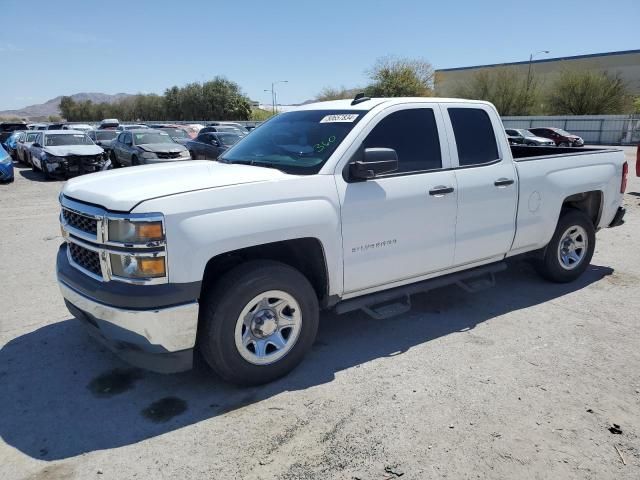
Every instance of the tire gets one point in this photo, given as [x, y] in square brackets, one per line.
[193, 155]
[134, 161]
[33, 165]
[230, 345]
[562, 268]
[114, 160]
[563, 144]
[47, 175]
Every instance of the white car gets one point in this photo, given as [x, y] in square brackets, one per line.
[340, 205]
[65, 153]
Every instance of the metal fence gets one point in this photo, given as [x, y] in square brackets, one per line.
[594, 129]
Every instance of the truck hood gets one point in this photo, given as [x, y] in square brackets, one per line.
[66, 150]
[122, 189]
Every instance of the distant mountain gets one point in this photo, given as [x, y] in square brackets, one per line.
[52, 107]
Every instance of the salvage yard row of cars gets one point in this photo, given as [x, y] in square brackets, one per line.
[69, 149]
[64, 150]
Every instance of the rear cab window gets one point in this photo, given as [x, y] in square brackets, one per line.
[474, 135]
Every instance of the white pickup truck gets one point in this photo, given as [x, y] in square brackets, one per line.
[339, 205]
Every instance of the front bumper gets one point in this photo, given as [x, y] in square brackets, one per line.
[618, 219]
[161, 340]
[75, 165]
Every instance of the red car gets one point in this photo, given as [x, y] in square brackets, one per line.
[559, 136]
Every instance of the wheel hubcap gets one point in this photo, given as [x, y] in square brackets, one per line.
[268, 327]
[573, 247]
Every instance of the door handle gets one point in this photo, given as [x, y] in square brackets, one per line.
[440, 190]
[503, 182]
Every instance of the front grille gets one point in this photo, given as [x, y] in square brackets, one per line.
[87, 259]
[168, 154]
[81, 222]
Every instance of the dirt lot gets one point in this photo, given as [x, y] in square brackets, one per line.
[522, 381]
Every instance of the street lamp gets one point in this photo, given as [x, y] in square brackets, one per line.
[274, 97]
[531, 60]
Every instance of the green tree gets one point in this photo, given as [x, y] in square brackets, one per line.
[330, 93]
[578, 92]
[400, 77]
[511, 92]
[260, 115]
[636, 105]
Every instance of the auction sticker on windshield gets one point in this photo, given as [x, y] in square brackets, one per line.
[340, 118]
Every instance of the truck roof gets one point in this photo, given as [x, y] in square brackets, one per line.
[374, 102]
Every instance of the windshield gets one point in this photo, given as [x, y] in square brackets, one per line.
[176, 132]
[295, 142]
[561, 132]
[106, 134]
[228, 138]
[527, 133]
[152, 137]
[58, 140]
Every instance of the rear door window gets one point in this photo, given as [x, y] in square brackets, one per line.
[475, 138]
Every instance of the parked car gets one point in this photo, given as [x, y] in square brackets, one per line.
[109, 123]
[339, 205]
[146, 145]
[238, 126]
[210, 145]
[10, 143]
[180, 135]
[83, 127]
[64, 153]
[6, 166]
[25, 140]
[131, 126]
[7, 128]
[103, 138]
[224, 128]
[520, 136]
[559, 136]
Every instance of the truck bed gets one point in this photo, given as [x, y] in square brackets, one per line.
[525, 153]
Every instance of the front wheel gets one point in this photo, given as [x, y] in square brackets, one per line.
[563, 144]
[258, 322]
[569, 252]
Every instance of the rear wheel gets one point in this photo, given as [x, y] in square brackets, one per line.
[258, 322]
[569, 252]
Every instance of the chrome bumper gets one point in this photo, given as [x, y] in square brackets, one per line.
[160, 339]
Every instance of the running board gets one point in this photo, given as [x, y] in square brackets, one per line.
[395, 301]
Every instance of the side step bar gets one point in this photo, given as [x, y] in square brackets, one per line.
[462, 278]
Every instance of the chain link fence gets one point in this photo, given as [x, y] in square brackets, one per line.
[594, 129]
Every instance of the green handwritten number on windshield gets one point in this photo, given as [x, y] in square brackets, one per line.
[320, 147]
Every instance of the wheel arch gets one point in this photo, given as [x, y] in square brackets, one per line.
[590, 202]
[306, 255]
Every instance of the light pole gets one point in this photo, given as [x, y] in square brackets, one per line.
[529, 71]
[273, 94]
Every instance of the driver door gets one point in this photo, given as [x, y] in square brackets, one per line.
[399, 227]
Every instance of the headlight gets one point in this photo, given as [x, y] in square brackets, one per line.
[137, 267]
[149, 155]
[130, 231]
[185, 154]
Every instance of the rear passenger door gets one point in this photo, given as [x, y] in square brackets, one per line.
[400, 226]
[487, 183]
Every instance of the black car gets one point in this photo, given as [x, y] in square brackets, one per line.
[103, 138]
[210, 145]
[521, 136]
[7, 128]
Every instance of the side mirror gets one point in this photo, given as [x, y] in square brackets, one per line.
[375, 161]
[36, 144]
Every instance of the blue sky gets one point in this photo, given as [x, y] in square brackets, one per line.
[50, 48]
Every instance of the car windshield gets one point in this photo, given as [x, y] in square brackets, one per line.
[526, 133]
[176, 132]
[60, 139]
[228, 138]
[295, 142]
[561, 132]
[106, 134]
[31, 137]
[152, 137]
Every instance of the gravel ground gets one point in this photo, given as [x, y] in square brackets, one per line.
[521, 381]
